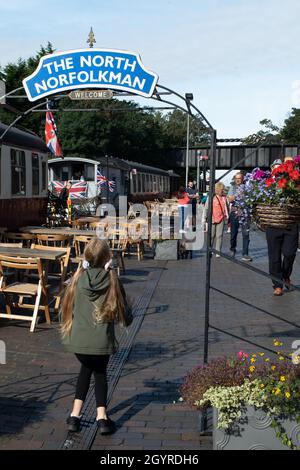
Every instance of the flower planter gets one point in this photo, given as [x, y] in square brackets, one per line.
[276, 216]
[254, 432]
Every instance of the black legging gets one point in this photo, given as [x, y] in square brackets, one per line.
[92, 364]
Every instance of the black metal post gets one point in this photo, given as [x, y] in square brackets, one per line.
[208, 241]
[107, 176]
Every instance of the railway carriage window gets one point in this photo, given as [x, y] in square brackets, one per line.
[139, 179]
[18, 172]
[35, 174]
[65, 173]
[89, 172]
[133, 183]
[154, 183]
[143, 183]
[44, 176]
[148, 183]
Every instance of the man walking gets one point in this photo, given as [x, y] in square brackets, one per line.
[193, 195]
[282, 249]
[234, 220]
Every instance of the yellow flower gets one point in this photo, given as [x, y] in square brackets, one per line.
[252, 360]
[273, 367]
[287, 394]
[261, 354]
[253, 355]
[267, 359]
[252, 368]
[282, 378]
[262, 385]
[277, 391]
[281, 358]
[277, 343]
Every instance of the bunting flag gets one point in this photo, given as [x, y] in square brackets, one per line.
[51, 135]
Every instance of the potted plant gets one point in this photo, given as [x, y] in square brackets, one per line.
[271, 198]
[255, 400]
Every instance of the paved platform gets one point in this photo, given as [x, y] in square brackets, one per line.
[37, 384]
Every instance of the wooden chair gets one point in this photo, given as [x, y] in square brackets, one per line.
[23, 290]
[118, 243]
[25, 238]
[57, 292]
[9, 272]
[135, 240]
[80, 242]
[54, 240]
[101, 227]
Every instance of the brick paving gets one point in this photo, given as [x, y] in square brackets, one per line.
[37, 384]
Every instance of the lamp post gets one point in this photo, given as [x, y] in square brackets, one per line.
[188, 98]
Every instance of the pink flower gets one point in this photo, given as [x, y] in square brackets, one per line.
[242, 355]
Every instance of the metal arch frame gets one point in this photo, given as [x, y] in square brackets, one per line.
[205, 125]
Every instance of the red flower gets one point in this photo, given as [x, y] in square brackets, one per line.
[294, 175]
[282, 183]
[269, 181]
[286, 167]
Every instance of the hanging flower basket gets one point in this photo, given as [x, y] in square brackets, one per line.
[276, 216]
[271, 198]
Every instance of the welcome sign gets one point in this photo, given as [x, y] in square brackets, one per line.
[90, 68]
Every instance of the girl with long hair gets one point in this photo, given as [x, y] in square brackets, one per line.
[94, 300]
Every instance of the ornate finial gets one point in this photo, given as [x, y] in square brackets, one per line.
[91, 38]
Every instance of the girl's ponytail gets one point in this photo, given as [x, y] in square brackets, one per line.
[66, 311]
[113, 307]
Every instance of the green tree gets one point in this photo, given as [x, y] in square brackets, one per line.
[13, 74]
[290, 131]
[174, 125]
[271, 134]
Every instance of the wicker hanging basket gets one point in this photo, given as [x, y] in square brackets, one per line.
[276, 216]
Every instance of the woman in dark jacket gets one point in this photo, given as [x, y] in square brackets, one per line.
[94, 301]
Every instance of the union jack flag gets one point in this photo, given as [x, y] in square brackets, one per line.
[78, 190]
[111, 186]
[51, 135]
[101, 179]
[58, 186]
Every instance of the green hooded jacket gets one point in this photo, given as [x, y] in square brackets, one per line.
[87, 336]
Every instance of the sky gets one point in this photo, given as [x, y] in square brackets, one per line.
[239, 58]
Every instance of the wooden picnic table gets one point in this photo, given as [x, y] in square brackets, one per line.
[32, 253]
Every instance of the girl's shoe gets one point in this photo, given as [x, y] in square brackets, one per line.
[106, 426]
[73, 423]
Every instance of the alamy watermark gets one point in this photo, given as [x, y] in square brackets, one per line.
[156, 224]
[2, 352]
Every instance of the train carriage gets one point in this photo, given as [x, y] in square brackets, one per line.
[23, 178]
